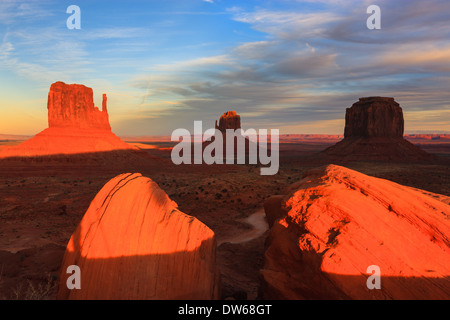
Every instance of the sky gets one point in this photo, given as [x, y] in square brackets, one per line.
[288, 65]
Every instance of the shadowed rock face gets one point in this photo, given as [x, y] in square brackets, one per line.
[134, 243]
[374, 132]
[374, 117]
[229, 120]
[72, 105]
[336, 222]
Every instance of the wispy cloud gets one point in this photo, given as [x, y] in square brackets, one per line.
[313, 65]
[19, 11]
[287, 64]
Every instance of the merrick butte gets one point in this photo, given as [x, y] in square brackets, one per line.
[213, 152]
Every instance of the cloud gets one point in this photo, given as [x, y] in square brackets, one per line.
[310, 66]
[426, 59]
[195, 63]
[17, 11]
[51, 57]
[287, 24]
[299, 63]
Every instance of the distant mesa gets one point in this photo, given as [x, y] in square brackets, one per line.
[229, 120]
[374, 129]
[72, 105]
[329, 227]
[134, 243]
[374, 117]
[76, 126]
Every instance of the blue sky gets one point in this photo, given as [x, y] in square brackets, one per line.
[290, 65]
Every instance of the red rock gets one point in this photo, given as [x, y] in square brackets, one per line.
[75, 126]
[339, 222]
[374, 117]
[374, 132]
[104, 108]
[273, 209]
[72, 105]
[229, 120]
[134, 243]
[67, 141]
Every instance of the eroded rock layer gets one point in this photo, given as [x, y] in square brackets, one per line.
[76, 127]
[133, 243]
[72, 105]
[374, 117]
[374, 132]
[336, 222]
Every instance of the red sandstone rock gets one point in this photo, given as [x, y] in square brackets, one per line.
[374, 117]
[339, 222]
[374, 132]
[229, 120]
[133, 243]
[67, 141]
[104, 108]
[72, 105]
[273, 209]
[75, 126]
[377, 149]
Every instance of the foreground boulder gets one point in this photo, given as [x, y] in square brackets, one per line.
[133, 243]
[338, 222]
[373, 131]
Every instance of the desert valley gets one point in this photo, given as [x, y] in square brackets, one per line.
[140, 227]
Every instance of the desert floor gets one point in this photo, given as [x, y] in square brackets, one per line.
[42, 201]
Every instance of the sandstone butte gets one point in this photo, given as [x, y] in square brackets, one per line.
[332, 225]
[133, 243]
[374, 129]
[229, 120]
[75, 126]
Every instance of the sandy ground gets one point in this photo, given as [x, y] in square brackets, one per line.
[41, 203]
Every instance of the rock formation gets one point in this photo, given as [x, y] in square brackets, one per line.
[273, 209]
[72, 105]
[76, 126]
[229, 120]
[374, 117]
[133, 243]
[374, 131]
[337, 222]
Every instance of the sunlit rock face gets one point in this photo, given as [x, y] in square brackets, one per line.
[335, 223]
[134, 243]
[72, 105]
[76, 126]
